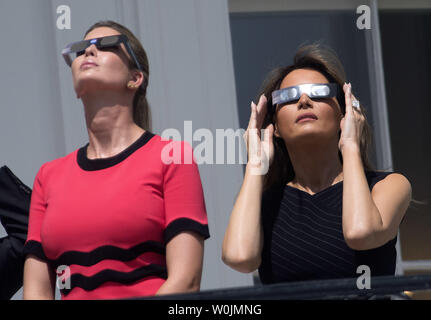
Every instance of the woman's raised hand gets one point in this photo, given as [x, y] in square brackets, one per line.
[243, 240]
[352, 123]
[260, 153]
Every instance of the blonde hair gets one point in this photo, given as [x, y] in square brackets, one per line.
[141, 108]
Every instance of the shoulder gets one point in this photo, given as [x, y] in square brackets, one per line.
[390, 183]
[379, 178]
[173, 152]
[172, 143]
[394, 180]
[163, 143]
[62, 163]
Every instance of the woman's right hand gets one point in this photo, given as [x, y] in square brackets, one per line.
[243, 240]
[260, 153]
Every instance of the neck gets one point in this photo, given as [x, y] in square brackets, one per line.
[316, 165]
[110, 125]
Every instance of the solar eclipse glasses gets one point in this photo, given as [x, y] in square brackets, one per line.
[75, 49]
[313, 90]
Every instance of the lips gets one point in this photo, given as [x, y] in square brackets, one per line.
[88, 64]
[309, 116]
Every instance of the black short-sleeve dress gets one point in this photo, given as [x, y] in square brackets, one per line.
[303, 237]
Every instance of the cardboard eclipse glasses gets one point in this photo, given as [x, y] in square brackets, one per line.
[313, 90]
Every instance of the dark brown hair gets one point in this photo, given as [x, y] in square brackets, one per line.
[324, 60]
[141, 108]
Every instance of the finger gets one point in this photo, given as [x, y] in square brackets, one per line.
[253, 147]
[348, 98]
[261, 110]
[245, 137]
[253, 115]
[261, 103]
[254, 129]
[269, 133]
[342, 124]
[357, 111]
[353, 98]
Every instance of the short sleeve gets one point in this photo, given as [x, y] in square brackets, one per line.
[33, 244]
[183, 195]
[375, 176]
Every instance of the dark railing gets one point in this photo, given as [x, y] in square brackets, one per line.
[382, 287]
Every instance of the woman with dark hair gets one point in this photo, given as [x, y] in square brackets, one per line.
[320, 211]
[115, 218]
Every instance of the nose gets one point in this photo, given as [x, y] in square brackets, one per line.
[304, 101]
[91, 50]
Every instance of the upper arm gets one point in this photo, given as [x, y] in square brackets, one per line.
[184, 259]
[39, 279]
[186, 222]
[392, 197]
[183, 196]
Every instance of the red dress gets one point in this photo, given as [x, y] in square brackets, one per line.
[109, 220]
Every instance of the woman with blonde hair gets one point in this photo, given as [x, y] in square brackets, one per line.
[113, 218]
[320, 211]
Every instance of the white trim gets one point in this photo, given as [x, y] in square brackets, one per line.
[416, 265]
[403, 4]
[378, 92]
[242, 6]
[237, 6]
[399, 270]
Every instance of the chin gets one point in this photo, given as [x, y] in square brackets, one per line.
[309, 136]
[90, 83]
[82, 87]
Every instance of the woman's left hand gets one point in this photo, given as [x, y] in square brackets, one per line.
[352, 123]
